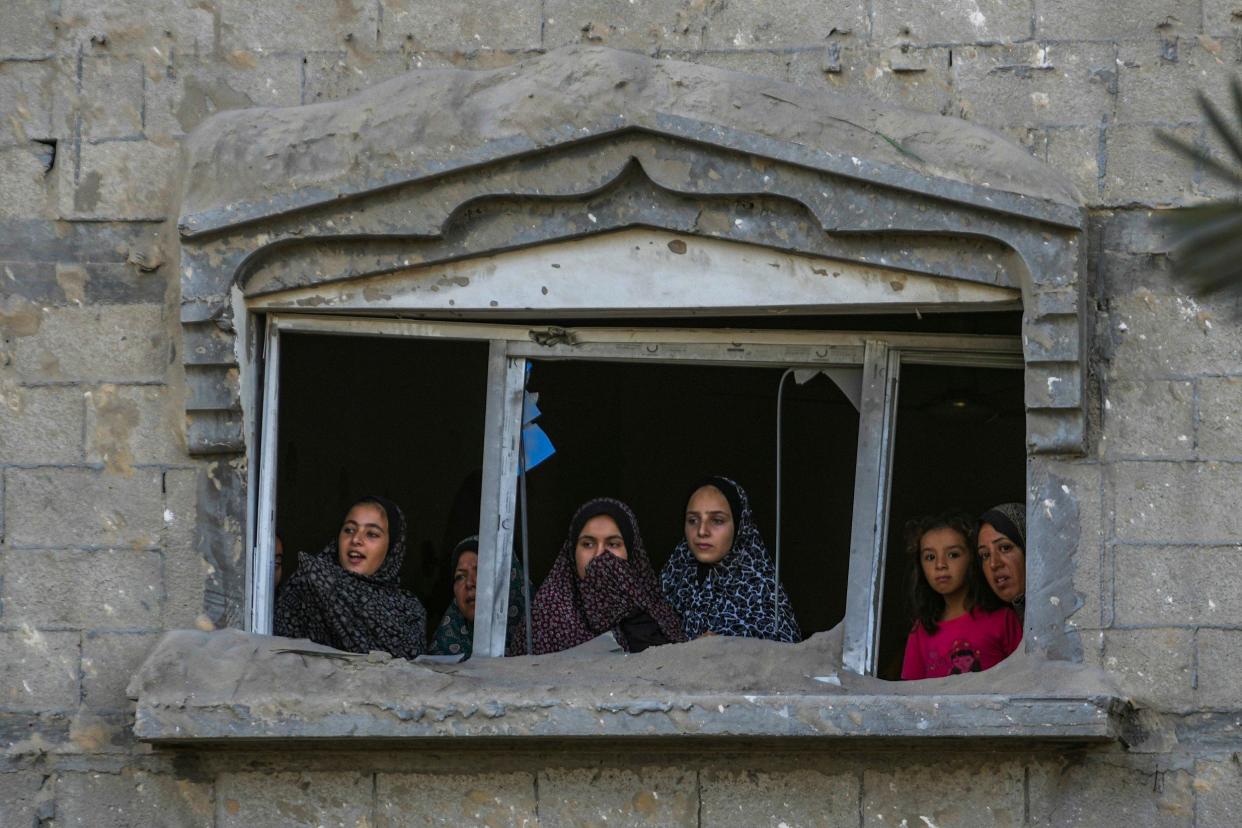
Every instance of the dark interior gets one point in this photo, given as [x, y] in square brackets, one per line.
[960, 444]
[404, 418]
[644, 433]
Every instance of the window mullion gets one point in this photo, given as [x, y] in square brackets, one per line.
[502, 427]
[869, 534]
[262, 562]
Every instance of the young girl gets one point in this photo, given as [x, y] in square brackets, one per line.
[349, 596]
[602, 580]
[720, 577]
[954, 632]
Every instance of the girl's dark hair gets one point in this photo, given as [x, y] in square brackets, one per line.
[927, 605]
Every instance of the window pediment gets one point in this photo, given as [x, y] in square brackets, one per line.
[431, 123]
[437, 166]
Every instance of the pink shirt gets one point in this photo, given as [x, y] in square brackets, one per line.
[969, 643]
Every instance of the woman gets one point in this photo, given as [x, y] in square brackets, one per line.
[720, 577]
[1002, 553]
[455, 635]
[955, 630]
[348, 596]
[601, 580]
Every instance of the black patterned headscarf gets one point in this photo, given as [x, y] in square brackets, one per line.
[568, 610]
[1009, 519]
[734, 596]
[330, 605]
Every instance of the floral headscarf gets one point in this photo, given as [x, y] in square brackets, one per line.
[568, 610]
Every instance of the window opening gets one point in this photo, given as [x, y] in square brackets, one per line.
[651, 386]
[960, 444]
[397, 417]
[643, 432]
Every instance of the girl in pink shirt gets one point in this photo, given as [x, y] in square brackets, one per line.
[953, 631]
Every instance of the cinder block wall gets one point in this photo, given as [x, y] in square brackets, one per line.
[97, 495]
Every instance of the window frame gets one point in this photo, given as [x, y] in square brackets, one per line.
[879, 355]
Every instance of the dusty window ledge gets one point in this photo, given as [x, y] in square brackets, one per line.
[229, 686]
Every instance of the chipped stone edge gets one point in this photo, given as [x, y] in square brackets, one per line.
[717, 717]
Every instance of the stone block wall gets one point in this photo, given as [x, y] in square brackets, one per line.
[100, 506]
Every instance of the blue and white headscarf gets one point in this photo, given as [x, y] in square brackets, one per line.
[734, 596]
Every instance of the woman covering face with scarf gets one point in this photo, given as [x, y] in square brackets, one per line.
[348, 596]
[720, 577]
[602, 580]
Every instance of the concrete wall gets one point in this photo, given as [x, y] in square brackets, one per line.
[97, 495]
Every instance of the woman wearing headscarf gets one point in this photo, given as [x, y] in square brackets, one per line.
[455, 634]
[348, 596]
[1002, 553]
[602, 580]
[720, 577]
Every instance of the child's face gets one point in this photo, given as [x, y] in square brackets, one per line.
[946, 560]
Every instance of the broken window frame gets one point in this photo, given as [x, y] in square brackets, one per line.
[879, 355]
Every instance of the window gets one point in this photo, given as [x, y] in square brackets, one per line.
[670, 215]
[599, 375]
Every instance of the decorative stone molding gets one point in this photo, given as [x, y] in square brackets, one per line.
[441, 165]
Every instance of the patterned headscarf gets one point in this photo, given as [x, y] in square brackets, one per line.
[455, 634]
[1009, 519]
[330, 605]
[568, 610]
[735, 595]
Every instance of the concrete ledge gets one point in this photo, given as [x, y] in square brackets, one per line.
[847, 717]
[230, 687]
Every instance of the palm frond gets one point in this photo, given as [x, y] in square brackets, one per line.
[1221, 126]
[1235, 87]
[1200, 155]
[1207, 238]
[1215, 263]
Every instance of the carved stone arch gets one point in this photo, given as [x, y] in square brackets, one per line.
[492, 221]
[586, 141]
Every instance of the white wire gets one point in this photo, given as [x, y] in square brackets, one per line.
[776, 585]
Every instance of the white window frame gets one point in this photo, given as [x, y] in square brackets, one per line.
[880, 355]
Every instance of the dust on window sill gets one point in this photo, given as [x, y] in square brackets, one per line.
[226, 686]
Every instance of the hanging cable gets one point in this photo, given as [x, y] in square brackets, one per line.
[776, 585]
